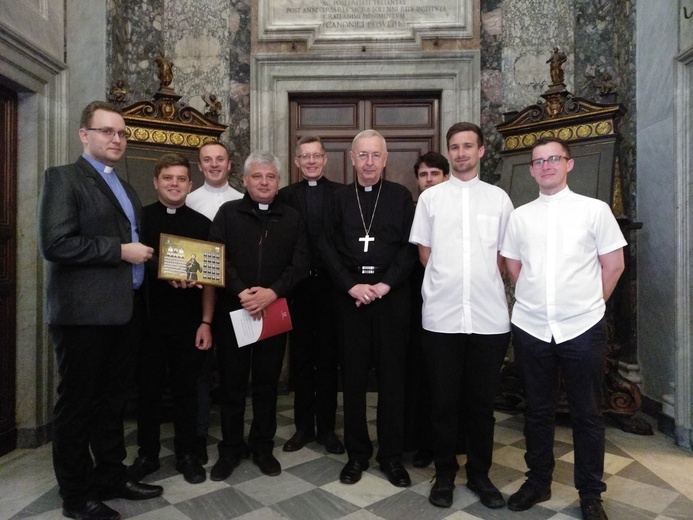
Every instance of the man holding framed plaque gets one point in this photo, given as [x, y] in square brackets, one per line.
[177, 327]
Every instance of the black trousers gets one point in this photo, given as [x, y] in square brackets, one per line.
[176, 355]
[313, 351]
[374, 334]
[96, 365]
[466, 368]
[580, 362]
[262, 362]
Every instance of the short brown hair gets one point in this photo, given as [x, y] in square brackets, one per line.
[465, 127]
[218, 143]
[550, 139]
[308, 139]
[171, 159]
[91, 108]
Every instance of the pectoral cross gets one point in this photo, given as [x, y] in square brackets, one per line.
[365, 241]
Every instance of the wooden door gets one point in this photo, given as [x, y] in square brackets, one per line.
[410, 125]
[8, 267]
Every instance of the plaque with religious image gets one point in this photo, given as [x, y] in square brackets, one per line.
[182, 258]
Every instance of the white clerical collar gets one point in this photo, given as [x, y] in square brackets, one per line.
[556, 196]
[214, 189]
[465, 184]
[312, 183]
[108, 169]
[170, 211]
[262, 207]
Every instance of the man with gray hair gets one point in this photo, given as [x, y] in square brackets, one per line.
[366, 249]
[266, 256]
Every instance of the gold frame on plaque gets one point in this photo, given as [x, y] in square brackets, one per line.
[182, 258]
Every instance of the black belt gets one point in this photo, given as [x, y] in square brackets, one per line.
[367, 269]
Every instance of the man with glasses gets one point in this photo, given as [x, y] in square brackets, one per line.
[313, 341]
[564, 254]
[458, 228]
[88, 230]
[367, 252]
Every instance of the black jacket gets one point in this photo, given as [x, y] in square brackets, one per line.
[264, 249]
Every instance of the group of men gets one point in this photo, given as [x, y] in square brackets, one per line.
[344, 257]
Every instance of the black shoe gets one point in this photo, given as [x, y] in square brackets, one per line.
[267, 464]
[91, 510]
[396, 474]
[201, 449]
[192, 470]
[332, 443]
[592, 509]
[488, 493]
[132, 491]
[441, 492]
[223, 468]
[141, 467]
[351, 473]
[298, 441]
[527, 496]
[422, 458]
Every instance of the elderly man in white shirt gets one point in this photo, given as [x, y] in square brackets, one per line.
[214, 161]
[564, 252]
[458, 228]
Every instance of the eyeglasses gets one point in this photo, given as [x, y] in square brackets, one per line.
[109, 132]
[363, 156]
[309, 156]
[554, 159]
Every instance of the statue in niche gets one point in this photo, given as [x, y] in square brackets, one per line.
[165, 70]
[212, 106]
[118, 93]
[556, 61]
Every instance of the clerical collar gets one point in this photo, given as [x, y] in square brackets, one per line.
[262, 207]
[312, 183]
[465, 184]
[368, 188]
[170, 211]
[98, 166]
[556, 196]
[214, 189]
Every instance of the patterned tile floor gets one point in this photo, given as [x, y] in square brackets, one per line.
[647, 478]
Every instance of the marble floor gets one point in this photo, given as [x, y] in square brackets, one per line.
[647, 478]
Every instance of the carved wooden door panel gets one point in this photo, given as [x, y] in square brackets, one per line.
[8, 267]
[410, 125]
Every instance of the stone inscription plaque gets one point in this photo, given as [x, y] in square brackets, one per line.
[325, 21]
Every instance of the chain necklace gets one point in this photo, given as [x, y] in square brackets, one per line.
[367, 238]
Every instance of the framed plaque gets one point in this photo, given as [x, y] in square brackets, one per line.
[182, 258]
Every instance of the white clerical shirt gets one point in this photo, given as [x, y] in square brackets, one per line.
[463, 223]
[207, 199]
[558, 238]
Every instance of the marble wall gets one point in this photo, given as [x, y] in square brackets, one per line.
[658, 45]
[209, 45]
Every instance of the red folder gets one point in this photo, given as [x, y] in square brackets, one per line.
[249, 330]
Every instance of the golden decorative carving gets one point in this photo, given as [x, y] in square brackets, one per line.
[168, 137]
[567, 133]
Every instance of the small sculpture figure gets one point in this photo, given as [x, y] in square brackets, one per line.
[556, 60]
[118, 92]
[165, 70]
[212, 106]
[606, 85]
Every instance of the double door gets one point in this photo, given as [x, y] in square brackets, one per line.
[410, 125]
